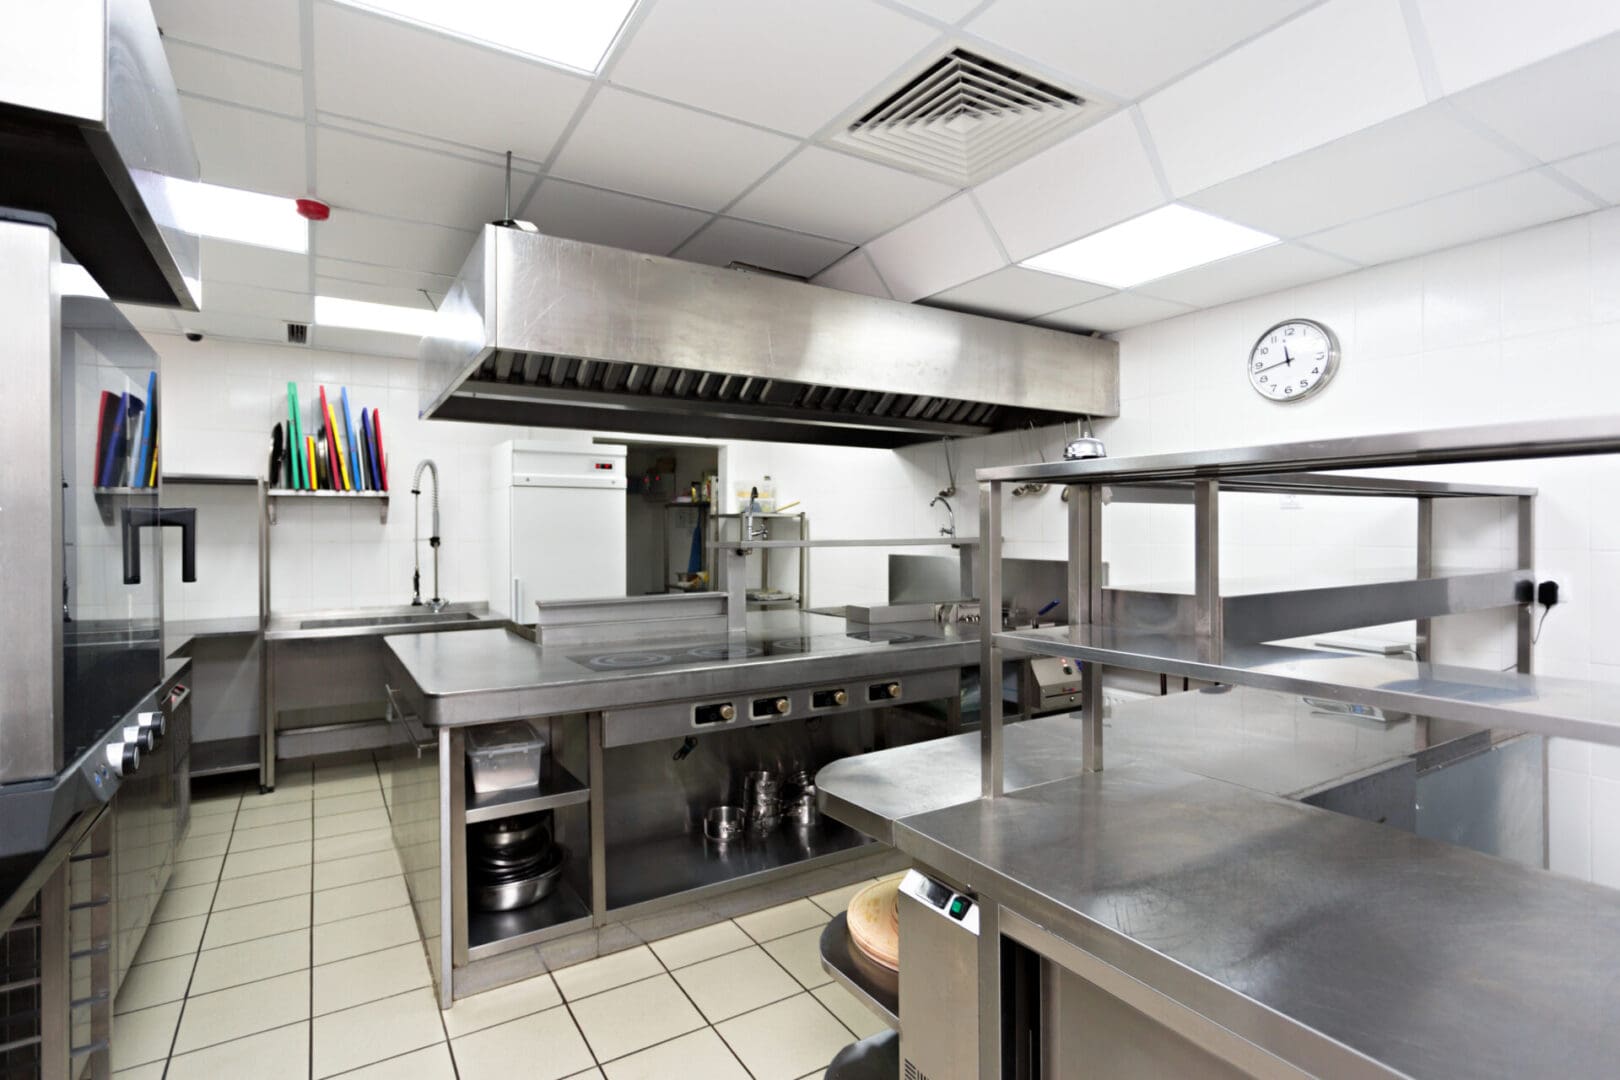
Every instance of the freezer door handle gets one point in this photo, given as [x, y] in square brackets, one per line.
[517, 600]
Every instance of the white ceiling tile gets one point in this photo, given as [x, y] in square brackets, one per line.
[1336, 69]
[372, 67]
[230, 298]
[264, 29]
[950, 11]
[246, 149]
[382, 177]
[853, 273]
[786, 64]
[150, 319]
[361, 237]
[1091, 180]
[1598, 172]
[1015, 293]
[1126, 47]
[230, 78]
[644, 147]
[1501, 206]
[1557, 108]
[1413, 157]
[729, 240]
[373, 294]
[1472, 42]
[1279, 266]
[234, 325]
[388, 276]
[1117, 312]
[606, 217]
[244, 264]
[824, 192]
[946, 246]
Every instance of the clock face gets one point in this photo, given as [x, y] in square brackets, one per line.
[1293, 360]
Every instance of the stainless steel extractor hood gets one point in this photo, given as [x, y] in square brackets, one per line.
[91, 136]
[544, 332]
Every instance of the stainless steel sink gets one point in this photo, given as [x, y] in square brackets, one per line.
[411, 619]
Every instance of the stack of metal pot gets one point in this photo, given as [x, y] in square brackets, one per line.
[762, 801]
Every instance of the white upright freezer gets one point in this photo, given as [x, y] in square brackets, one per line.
[559, 525]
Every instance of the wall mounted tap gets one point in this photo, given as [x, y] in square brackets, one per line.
[944, 530]
[437, 603]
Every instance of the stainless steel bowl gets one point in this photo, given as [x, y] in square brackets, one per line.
[724, 823]
[517, 832]
[507, 895]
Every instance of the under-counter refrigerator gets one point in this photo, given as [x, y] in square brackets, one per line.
[558, 529]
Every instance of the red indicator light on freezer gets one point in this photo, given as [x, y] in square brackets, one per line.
[608, 465]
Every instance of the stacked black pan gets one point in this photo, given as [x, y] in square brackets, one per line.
[512, 862]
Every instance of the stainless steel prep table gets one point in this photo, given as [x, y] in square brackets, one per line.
[637, 748]
[1336, 945]
[482, 676]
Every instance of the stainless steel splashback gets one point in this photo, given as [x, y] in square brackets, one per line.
[91, 134]
[545, 332]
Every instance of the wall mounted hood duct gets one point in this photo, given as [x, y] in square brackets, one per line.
[90, 133]
[544, 332]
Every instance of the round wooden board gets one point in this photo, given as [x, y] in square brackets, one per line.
[874, 921]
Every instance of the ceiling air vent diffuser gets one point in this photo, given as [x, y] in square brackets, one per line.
[297, 333]
[964, 119]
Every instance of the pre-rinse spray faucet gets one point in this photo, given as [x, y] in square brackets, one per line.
[945, 530]
[437, 603]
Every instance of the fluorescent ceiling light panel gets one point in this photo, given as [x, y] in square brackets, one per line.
[362, 315]
[1159, 243]
[570, 33]
[245, 217]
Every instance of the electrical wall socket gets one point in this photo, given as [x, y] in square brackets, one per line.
[1565, 593]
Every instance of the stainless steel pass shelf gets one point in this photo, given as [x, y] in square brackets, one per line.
[215, 757]
[872, 984]
[655, 870]
[557, 787]
[490, 933]
[1571, 708]
[379, 497]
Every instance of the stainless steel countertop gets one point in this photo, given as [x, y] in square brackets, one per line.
[377, 621]
[1295, 927]
[1305, 931]
[478, 676]
[1268, 742]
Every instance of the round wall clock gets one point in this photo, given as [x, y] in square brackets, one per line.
[1293, 360]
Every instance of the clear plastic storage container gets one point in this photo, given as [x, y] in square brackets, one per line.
[501, 757]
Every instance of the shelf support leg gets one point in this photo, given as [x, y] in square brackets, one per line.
[598, 818]
[990, 719]
[1091, 704]
[1207, 559]
[1425, 567]
[1527, 560]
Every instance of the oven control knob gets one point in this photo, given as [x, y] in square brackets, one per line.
[840, 698]
[893, 690]
[122, 757]
[728, 712]
[143, 737]
[155, 721]
[781, 706]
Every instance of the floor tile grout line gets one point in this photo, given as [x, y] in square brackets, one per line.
[723, 1042]
[196, 956]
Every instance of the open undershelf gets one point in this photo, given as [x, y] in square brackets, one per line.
[219, 756]
[492, 932]
[557, 787]
[1571, 708]
[872, 984]
[670, 865]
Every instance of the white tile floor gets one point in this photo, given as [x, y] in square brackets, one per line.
[285, 948]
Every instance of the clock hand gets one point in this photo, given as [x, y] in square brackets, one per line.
[1285, 360]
